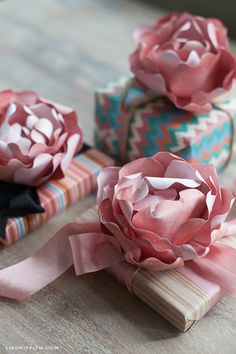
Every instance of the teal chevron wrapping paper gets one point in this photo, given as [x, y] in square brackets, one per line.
[157, 125]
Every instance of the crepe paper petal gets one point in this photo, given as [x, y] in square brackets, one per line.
[52, 149]
[164, 158]
[42, 165]
[18, 115]
[20, 151]
[227, 201]
[31, 120]
[154, 263]
[147, 202]
[58, 107]
[132, 187]
[41, 110]
[126, 209]
[5, 152]
[72, 146]
[170, 215]
[37, 137]
[166, 255]
[106, 177]
[163, 194]
[182, 169]
[27, 97]
[6, 97]
[10, 135]
[150, 165]
[189, 230]
[45, 127]
[8, 170]
[164, 183]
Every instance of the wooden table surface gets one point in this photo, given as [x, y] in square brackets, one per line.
[64, 50]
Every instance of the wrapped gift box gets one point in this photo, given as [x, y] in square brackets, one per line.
[57, 195]
[182, 297]
[130, 124]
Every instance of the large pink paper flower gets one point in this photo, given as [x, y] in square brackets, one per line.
[162, 210]
[185, 58]
[38, 138]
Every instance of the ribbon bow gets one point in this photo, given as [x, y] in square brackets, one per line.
[17, 200]
[183, 205]
[85, 246]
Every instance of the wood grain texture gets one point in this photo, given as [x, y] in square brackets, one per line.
[64, 50]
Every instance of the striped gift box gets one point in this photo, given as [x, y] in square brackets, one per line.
[57, 195]
[182, 297]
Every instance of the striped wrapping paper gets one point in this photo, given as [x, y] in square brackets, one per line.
[160, 126]
[182, 297]
[57, 195]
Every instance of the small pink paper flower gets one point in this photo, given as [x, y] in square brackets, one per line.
[185, 58]
[162, 210]
[38, 138]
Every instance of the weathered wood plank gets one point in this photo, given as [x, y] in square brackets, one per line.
[64, 50]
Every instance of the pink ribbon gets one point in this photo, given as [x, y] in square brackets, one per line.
[90, 250]
[81, 244]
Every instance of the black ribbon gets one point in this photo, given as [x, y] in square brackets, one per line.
[17, 200]
[20, 200]
[84, 148]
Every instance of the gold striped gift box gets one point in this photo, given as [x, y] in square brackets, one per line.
[172, 294]
[57, 195]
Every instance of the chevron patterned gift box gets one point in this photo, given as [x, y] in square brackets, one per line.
[130, 124]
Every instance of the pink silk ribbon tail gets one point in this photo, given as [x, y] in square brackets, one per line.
[218, 266]
[229, 227]
[85, 246]
[81, 244]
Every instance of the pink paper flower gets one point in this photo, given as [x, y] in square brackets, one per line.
[162, 210]
[38, 138]
[185, 58]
